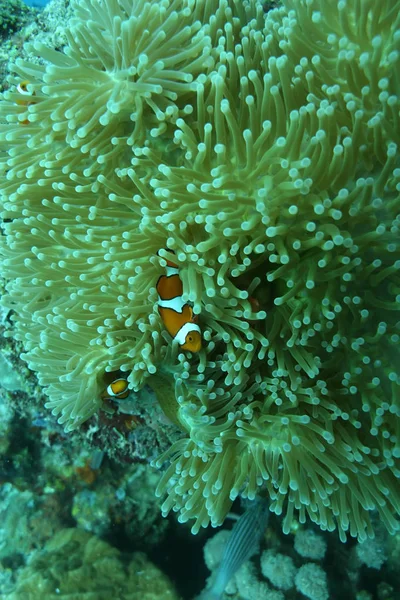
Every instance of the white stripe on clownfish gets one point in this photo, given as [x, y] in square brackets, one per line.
[185, 330]
[176, 304]
[27, 98]
[23, 89]
[177, 315]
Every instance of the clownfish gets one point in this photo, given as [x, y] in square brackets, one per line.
[26, 97]
[177, 316]
[117, 389]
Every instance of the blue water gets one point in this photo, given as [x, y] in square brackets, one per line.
[36, 3]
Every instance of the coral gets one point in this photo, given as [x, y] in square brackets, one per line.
[6, 415]
[273, 573]
[393, 551]
[246, 584]
[9, 378]
[213, 551]
[372, 553]
[75, 564]
[13, 13]
[311, 581]
[279, 569]
[214, 548]
[309, 544]
[262, 150]
[91, 510]
[25, 522]
[141, 508]
[16, 509]
[128, 502]
[251, 588]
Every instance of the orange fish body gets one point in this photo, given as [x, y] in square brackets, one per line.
[117, 389]
[177, 316]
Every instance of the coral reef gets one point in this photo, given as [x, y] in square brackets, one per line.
[311, 582]
[278, 569]
[371, 553]
[50, 480]
[16, 19]
[75, 564]
[309, 544]
[47, 484]
[249, 587]
[13, 14]
[262, 150]
[282, 569]
[128, 503]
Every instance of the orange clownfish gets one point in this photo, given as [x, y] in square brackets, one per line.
[117, 389]
[177, 316]
[26, 97]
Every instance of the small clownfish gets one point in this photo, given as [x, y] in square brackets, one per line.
[117, 389]
[177, 316]
[26, 97]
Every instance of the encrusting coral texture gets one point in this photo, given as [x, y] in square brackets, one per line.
[259, 153]
[76, 564]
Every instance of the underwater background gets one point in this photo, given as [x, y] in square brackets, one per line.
[81, 512]
[36, 3]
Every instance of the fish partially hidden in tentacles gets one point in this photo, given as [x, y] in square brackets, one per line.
[177, 315]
